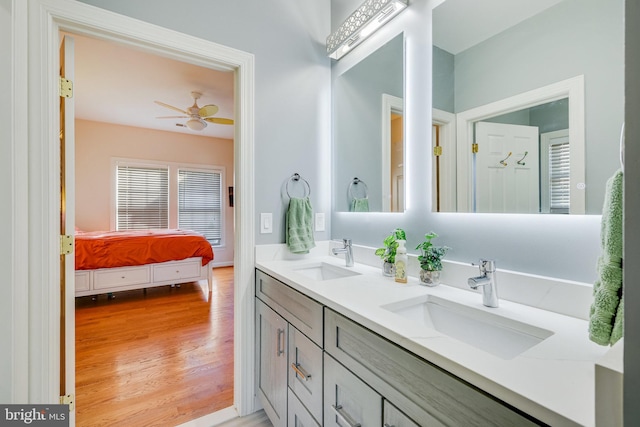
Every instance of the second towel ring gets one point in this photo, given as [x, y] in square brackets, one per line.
[296, 177]
[357, 181]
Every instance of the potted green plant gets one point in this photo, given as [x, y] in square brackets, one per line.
[430, 259]
[388, 252]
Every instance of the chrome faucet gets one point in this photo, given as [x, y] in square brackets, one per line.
[487, 280]
[346, 250]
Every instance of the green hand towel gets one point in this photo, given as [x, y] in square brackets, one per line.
[607, 310]
[360, 205]
[299, 226]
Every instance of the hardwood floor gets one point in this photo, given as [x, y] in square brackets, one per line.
[159, 358]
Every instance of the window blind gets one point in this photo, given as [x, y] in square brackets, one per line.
[200, 203]
[142, 199]
[559, 182]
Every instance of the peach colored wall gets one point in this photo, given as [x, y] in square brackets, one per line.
[98, 143]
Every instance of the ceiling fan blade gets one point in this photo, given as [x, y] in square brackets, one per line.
[171, 107]
[219, 120]
[172, 117]
[208, 110]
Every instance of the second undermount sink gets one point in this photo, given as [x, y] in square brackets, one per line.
[325, 271]
[495, 334]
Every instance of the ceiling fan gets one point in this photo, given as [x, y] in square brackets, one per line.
[198, 116]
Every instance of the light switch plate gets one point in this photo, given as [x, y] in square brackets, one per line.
[266, 223]
[320, 221]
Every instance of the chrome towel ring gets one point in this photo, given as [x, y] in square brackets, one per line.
[357, 181]
[296, 178]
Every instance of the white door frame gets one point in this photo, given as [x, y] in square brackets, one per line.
[573, 89]
[447, 123]
[37, 356]
[390, 104]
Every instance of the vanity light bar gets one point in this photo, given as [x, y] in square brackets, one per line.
[366, 20]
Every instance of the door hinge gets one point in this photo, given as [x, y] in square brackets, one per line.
[66, 244]
[68, 399]
[437, 150]
[66, 88]
[474, 148]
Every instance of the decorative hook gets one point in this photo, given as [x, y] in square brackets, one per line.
[520, 162]
[503, 162]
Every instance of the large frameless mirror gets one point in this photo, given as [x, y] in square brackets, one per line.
[526, 95]
[368, 132]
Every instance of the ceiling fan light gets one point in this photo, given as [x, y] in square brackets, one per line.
[196, 124]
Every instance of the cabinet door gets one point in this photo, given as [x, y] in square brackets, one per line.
[271, 342]
[392, 417]
[348, 402]
[305, 371]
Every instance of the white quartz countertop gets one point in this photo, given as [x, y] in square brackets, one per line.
[552, 381]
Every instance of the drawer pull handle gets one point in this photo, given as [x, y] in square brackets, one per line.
[389, 425]
[344, 417]
[301, 372]
[280, 342]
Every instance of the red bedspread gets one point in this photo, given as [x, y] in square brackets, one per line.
[106, 249]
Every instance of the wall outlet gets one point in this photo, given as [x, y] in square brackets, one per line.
[320, 221]
[266, 223]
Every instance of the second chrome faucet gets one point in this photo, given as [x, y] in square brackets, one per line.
[487, 281]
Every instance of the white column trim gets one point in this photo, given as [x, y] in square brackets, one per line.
[19, 202]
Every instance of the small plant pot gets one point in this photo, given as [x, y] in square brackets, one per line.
[388, 269]
[429, 277]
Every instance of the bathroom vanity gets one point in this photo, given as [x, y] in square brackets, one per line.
[348, 346]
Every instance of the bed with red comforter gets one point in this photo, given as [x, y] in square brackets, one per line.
[110, 261]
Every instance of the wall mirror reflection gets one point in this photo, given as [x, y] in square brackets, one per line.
[368, 132]
[527, 104]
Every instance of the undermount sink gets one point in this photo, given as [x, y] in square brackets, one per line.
[325, 271]
[495, 334]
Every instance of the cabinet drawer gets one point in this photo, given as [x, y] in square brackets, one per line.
[347, 400]
[298, 415]
[392, 417]
[299, 310]
[176, 271]
[104, 279]
[305, 371]
[83, 280]
[424, 392]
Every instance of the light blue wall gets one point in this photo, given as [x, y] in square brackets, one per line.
[292, 86]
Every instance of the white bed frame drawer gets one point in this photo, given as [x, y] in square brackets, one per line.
[83, 280]
[105, 279]
[176, 271]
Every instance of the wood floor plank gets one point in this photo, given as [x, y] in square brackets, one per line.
[156, 358]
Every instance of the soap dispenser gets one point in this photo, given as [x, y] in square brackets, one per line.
[401, 262]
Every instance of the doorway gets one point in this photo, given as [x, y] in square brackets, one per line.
[44, 166]
[182, 366]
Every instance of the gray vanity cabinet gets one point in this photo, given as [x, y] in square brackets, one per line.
[424, 392]
[271, 336]
[348, 401]
[289, 336]
[305, 371]
[392, 417]
[298, 414]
